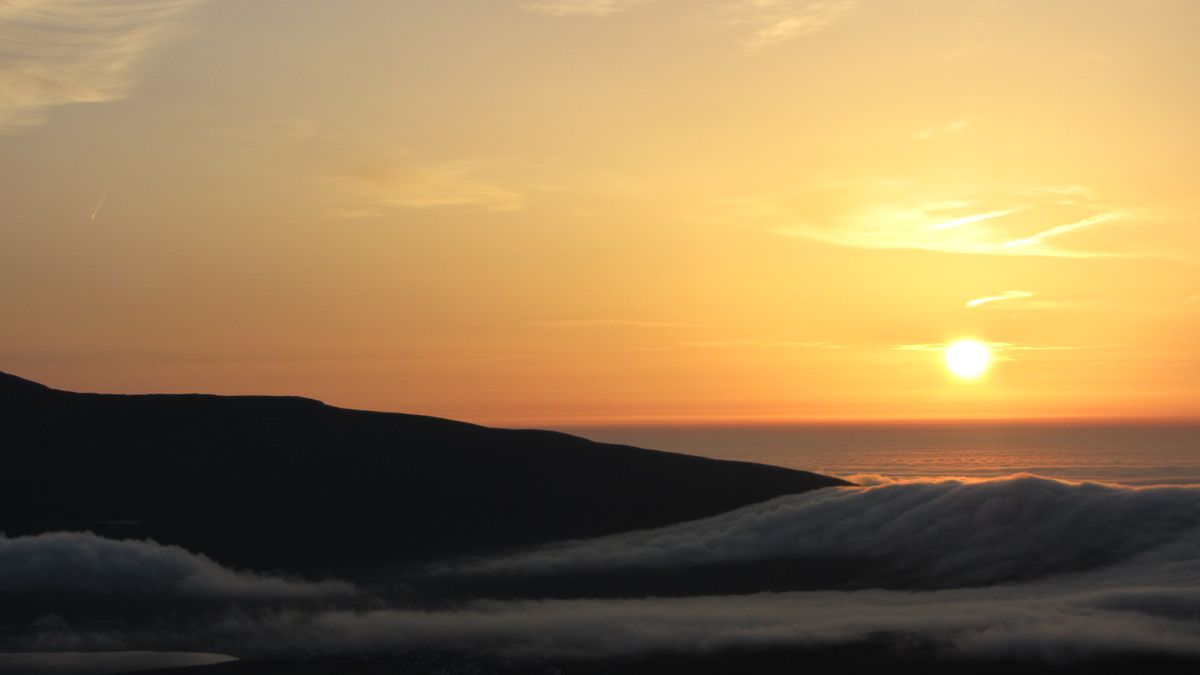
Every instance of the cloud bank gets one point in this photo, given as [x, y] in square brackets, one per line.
[944, 534]
[1026, 567]
[59, 52]
[84, 563]
[1026, 621]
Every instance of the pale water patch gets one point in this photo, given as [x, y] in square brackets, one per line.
[101, 663]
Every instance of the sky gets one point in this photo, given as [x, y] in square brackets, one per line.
[524, 212]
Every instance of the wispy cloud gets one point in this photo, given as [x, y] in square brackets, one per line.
[60, 52]
[786, 344]
[580, 7]
[369, 191]
[602, 323]
[777, 21]
[1001, 347]
[771, 22]
[904, 214]
[1059, 230]
[948, 129]
[973, 218]
[1006, 295]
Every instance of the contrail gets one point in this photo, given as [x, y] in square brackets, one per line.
[101, 202]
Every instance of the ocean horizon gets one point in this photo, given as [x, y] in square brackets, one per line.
[1128, 453]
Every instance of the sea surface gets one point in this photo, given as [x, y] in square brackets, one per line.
[1163, 454]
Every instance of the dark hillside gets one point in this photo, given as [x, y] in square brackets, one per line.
[291, 483]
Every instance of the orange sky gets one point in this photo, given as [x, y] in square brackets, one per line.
[560, 211]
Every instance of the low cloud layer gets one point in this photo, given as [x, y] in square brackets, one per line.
[82, 562]
[945, 534]
[58, 52]
[1025, 621]
[1117, 571]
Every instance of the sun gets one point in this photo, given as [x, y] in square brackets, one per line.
[967, 358]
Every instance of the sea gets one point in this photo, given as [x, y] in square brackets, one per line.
[1127, 454]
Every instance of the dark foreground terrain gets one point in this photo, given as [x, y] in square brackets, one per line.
[293, 484]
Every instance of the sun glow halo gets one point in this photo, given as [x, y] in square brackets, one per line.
[967, 358]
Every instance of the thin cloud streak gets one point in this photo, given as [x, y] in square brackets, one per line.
[974, 218]
[778, 21]
[61, 52]
[368, 192]
[955, 127]
[601, 323]
[772, 22]
[564, 8]
[101, 202]
[764, 343]
[1064, 229]
[1006, 295]
[901, 214]
[1001, 347]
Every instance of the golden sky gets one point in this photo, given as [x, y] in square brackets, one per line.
[562, 211]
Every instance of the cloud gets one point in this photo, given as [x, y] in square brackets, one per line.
[1001, 347]
[784, 344]
[1041, 569]
[603, 323]
[777, 21]
[903, 215]
[1006, 295]
[1060, 230]
[60, 52]
[1025, 621]
[948, 129]
[973, 218]
[945, 533]
[82, 562]
[771, 22]
[100, 663]
[370, 191]
[580, 7]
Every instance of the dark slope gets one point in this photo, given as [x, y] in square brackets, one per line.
[291, 483]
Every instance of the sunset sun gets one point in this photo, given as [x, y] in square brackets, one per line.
[967, 358]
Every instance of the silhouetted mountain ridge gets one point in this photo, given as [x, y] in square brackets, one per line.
[291, 483]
